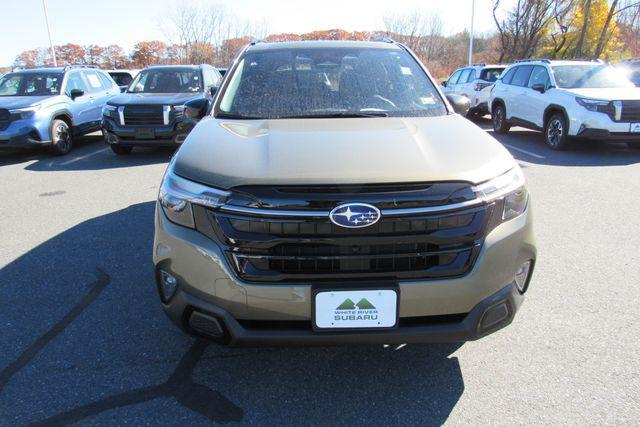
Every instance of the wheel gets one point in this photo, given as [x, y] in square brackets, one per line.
[121, 150]
[61, 141]
[555, 132]
[499, 119]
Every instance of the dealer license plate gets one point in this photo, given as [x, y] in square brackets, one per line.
[356, 309]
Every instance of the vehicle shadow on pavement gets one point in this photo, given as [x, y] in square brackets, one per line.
[84, 338]
[88, 154]
[580, 153]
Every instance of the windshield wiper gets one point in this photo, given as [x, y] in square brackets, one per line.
[341, 114]
[237, 116]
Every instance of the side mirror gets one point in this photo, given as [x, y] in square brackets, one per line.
[123, 88]
[444, 83]
[196, 109]
[213, 90]
[460, 104]
[76, 93]
[539, 88]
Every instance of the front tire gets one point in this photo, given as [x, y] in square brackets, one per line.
[121, 150]
[61, 140]
[499, 119]
[555, 132]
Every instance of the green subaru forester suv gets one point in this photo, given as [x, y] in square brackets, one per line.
[334, 196]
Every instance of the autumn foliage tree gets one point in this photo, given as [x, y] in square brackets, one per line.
[148, 53]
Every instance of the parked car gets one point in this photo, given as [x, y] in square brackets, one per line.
[566, 99]
[474, 82]
[49, 107]
[333, 196]
[123, 77]
[150, 112]
[631, 68]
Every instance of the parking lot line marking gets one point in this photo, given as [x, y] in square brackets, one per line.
[68, 162]
[529, 153]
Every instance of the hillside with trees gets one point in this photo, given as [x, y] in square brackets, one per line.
[598, 29]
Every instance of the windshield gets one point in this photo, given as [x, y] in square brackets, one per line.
[329, 82]
[632, 71]
[589, 76]
[167, 80]
[121, 79]
[491, 74]
[30, 84]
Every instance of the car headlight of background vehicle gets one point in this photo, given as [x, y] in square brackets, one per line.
[177, 195]
[596, 105]
[26, 113]
[109, 110]
[509, 187]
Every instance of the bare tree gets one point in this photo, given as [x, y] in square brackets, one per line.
[562, 15]
[420, 31]
[522, 27]
[627, 17]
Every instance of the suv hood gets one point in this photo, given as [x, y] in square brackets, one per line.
[229, 153]
[12, 102]
[614, 94]
[154, 98]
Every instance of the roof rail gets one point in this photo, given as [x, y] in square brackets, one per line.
[383, 39]
[583, 59]
[546, 61]
[71, 66]
[479, 64]
[256, 41]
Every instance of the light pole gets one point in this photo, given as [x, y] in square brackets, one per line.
[473, 9]
[46, 18]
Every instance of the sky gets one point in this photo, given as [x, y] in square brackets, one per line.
[126, 22]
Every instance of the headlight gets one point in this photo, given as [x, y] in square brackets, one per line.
[107, 110]
[26, 113]
[594, 104]
[178, 194]
[508, 187]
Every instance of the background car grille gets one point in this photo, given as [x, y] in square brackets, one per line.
[5, 119]
[135, 115]
[630, 111]
[272, 249]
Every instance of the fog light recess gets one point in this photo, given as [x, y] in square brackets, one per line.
[522, 276]
[494, 315]
[168, 286]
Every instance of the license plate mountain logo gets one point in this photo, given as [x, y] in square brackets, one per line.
[349, 310]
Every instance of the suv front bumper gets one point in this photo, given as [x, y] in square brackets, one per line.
[434, 310]
[19, 134]
[164, 135]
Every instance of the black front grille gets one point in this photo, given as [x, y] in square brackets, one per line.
[272, 249]
[630, 111]
[5, 119]
[143, 115]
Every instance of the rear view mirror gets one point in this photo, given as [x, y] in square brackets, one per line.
[460, 104]
[196, 109]
[76, 93]
[539, 87]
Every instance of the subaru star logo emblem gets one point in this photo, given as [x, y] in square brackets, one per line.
[354, 215]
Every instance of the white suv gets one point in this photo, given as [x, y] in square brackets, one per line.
[567, 98]
[474, 82]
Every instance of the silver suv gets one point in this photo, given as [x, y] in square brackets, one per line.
[333, 196]
[48, 107]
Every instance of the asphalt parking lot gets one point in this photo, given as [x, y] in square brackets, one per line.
[84, 339]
